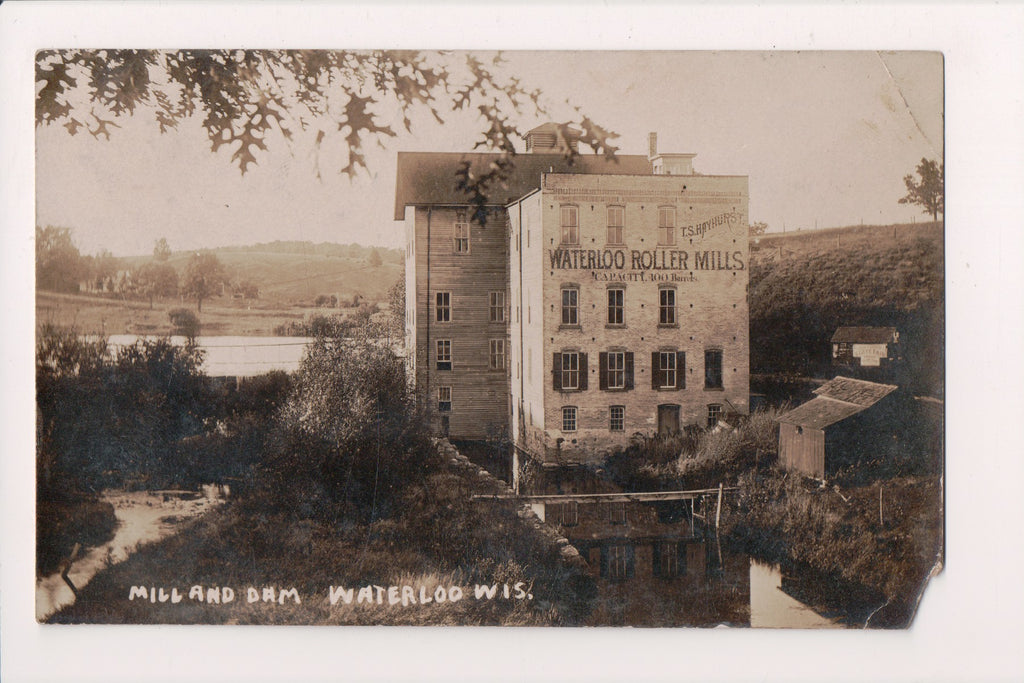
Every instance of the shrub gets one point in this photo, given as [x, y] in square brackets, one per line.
[184, 322]
[350, 436]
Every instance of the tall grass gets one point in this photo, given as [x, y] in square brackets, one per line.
[698, 458]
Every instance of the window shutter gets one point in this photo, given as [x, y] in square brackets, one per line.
[603, 370]
[629, 370]
[583, 372]
[556, 371]
[655, 369]
[680, 369]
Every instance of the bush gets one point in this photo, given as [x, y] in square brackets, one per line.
[184, 322]
[350, 437]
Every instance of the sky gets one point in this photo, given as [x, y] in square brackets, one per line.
[825, 138]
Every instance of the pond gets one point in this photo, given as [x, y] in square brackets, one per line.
[662, 564]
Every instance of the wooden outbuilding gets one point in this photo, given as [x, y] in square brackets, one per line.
[865, 346]
[847, 420]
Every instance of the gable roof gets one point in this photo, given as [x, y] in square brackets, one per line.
[864, 335]
[837, 400]
[428, 178]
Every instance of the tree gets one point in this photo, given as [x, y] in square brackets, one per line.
[184, 322]
[930, 191]
[161, 250]
[352, 437]
[104, 266]
[758, 229]
[246, 97]
[59, 265]
[374, 259]
[155, 279]
[203, 277]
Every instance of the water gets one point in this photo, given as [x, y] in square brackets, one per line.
[237, 356]
[661, 564]
[142, 517]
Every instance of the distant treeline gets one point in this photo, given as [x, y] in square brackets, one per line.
[353, 251]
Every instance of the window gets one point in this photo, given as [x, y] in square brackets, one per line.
[569, 371]
[667, 225]
[496, 354]
[617, 418]
[444, 399]
[444, 354]
[444, 307]
[616, 296]
[616, 370]
[667, 307]
[461, 233]
[570, 306]
[615, 222]
[712, 369]
[714, 414]
[617, 562]
[667, 369]
[666, 559]
[570, 225]
[569, 419]
[564, 514]
[496, 304]
[617, 513]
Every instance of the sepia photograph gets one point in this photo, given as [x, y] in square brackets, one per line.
[383, 337]
[649, 340]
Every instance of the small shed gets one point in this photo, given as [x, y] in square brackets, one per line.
[865, 346]
[846, 420]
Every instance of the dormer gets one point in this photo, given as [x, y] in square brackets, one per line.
[552, 138]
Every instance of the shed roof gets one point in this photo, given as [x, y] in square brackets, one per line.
[864, 335]
[857, 391]
[428, 178]
[820, 412]
[837, 400]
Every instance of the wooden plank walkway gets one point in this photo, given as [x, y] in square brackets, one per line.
[639, 497]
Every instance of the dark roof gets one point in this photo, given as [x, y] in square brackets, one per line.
[820, 412]
[428, 178]
[856, 391]
[864, 335]
[835, 401]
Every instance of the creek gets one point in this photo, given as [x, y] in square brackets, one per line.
[143, 517]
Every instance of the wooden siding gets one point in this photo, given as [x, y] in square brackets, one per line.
[480, 395]
[802, 449]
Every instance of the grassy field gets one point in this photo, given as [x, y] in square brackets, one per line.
[289, 283]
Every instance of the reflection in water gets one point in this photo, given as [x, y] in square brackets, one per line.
[658, 564]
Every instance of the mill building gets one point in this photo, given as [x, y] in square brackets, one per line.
[601, 299]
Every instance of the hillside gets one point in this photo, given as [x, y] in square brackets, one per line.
[289, 281]
[286, 275]
[804, 285]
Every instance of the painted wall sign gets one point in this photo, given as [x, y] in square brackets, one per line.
[645, 259]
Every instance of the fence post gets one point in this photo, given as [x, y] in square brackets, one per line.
[718, 510]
